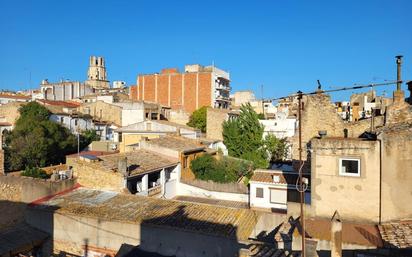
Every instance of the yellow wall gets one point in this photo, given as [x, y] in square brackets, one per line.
[128, 139]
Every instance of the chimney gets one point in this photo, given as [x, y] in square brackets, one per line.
[398, 95]
[122, 166]
[336, 235]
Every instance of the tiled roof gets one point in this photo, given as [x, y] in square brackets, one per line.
[68, 104]
[181, 144]
[22, 97]
[198, 218]
[94, 153]
[397, 234]
[139, 161]
[5, 124]
[266, 176]
[359, 234]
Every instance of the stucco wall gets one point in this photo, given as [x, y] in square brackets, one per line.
[265, 202]
[396, 175]
[71, 233]
[185, 189]
[355, 198]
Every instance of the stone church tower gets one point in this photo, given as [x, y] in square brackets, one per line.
[96, 74]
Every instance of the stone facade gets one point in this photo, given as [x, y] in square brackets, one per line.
[214, 123]
[91, 175]
[97, 74]
[318, 113]
[10, 112]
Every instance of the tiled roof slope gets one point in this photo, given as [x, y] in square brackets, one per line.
[220, 221]
[181, 144]
[397, 234]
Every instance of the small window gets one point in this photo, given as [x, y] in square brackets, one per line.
[61, 120]
[185, 162]
[259, 192]
[120, 136]
[349, 167]
[75, 122]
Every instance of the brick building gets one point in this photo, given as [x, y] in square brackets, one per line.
[196, 87]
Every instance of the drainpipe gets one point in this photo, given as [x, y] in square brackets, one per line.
[380, 180]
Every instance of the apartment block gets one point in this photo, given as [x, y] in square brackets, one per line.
[197, 86]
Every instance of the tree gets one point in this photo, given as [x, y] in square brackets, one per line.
[244, 137]
[198, 119]
[276, 148]
[35, 173]
[222, 170]
[36, 141]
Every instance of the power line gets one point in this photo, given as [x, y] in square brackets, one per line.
[335, 90]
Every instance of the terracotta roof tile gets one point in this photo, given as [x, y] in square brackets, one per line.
[397, 234]
[181, 144]
[139, 161]
[68, 104]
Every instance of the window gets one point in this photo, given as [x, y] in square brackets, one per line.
[349, 167]
[61, 120]
[120, 137]
[259, 192]
[185, 162]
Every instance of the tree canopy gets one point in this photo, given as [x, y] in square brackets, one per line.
[37, 141]
[198, 119]
[222, 170]
[243, 136]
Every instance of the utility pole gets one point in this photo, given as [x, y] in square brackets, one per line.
[261, 98]
[301, 186]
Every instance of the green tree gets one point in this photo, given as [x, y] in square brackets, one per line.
[35, 173]
[198, 119]
[87, 137]
[276, 148]
[36, 141]
[222, 170]
[243, 137]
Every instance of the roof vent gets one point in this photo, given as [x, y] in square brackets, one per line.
[276, 178]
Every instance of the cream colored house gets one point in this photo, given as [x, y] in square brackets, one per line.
[129, 137]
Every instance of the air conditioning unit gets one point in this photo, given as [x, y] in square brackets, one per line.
[276, 178]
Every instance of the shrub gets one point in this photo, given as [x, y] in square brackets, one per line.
[35, 173]
[224, 170]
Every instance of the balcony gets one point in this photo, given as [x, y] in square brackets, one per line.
[153, 191]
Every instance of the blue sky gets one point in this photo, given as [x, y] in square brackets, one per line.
[284, 45]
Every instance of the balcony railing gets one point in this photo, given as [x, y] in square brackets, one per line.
[154, 190]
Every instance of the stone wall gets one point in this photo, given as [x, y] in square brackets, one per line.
[103, 111]
[214, 122]
[319, 114]
[27, 189]
[92, 175]
[10, 111]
